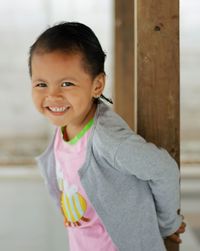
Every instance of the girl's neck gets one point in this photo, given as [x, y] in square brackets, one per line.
[73, 129]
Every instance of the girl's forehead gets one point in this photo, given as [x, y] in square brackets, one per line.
[57, 59]
[59, 63]
[75, 59]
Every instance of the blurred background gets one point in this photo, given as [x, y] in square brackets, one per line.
[28, 218]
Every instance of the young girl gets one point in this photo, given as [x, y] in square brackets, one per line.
[115, 190]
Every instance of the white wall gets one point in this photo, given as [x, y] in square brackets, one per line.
[20, 23]
[190, 69]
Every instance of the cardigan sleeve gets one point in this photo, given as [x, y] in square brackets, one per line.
[155, 166]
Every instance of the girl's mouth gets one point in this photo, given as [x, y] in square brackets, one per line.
[58, 110]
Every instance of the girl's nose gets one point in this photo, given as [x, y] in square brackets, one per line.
[54, 93]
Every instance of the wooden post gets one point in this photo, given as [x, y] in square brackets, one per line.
[158, 73]
[158, 76]
[124, 101]
[157, 70]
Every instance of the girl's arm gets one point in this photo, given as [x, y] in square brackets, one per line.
[154, 165]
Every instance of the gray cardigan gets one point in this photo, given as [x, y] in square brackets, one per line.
[132, 184]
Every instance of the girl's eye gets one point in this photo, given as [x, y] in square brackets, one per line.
[65, 84]
[41, 85]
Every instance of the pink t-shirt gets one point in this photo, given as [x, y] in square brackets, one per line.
[85, 229]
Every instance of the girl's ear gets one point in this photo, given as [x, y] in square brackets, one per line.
[98, 85]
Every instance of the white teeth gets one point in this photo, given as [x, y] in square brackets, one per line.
[58, 109]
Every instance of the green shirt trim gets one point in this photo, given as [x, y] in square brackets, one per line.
[80, 134]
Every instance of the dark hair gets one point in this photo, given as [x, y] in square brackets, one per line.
[72, 37]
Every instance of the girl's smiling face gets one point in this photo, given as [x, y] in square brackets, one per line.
[62, 90]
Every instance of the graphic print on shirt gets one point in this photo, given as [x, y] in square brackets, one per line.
[73, 205]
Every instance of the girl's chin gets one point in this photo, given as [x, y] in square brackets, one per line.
[57, 123]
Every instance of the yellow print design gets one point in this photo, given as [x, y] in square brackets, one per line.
[73, 206]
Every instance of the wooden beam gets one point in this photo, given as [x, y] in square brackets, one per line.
[124, 100]
[158, 73]
[158, 76]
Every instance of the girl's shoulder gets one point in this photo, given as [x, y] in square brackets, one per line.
[110, 130]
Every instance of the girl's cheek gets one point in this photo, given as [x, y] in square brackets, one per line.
[37, 101]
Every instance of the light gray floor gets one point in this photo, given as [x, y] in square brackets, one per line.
[28, 219]
[190, 204]
[30, 222]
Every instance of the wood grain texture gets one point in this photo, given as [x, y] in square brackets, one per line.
[124, 60]
[158, 73]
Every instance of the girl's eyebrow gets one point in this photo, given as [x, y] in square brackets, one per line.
[39, 80]
[59, 80]
[68, 79]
